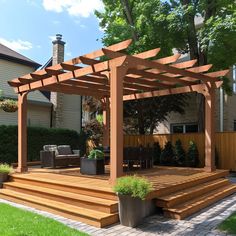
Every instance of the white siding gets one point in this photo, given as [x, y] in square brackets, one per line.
[71, 112]
[36, 116]
[10, 70]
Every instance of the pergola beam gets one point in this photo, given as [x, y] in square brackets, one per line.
[144, 64]
[200, 88]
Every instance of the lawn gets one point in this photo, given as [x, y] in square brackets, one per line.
[17, 222]
[229, 225]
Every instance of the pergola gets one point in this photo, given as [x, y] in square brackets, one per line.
[119, 78]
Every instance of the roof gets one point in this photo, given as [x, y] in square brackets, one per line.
[11, 55]
[142, 77]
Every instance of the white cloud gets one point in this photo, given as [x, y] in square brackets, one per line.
[52, 37]
[17, 45]
[68, 54]
[82, 8]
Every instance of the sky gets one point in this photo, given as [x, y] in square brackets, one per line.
[29, 26]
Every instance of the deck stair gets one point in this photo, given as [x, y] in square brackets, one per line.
[97, 207]
[184, 202]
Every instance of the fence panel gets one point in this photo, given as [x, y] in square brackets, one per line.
[225, 145]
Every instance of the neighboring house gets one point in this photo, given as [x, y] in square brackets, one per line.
[67, 109]
[225, 115]
[13, 65]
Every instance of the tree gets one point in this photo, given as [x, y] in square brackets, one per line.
[148, 113]
[171, 24]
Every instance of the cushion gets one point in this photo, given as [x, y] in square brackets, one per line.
[64, 150]
[50, 148]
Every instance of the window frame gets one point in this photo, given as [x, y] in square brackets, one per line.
[184, 127]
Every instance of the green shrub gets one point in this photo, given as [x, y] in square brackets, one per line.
[167, 155]
[180, 153]
[5, 168]
[96, 154]
[156, 153]
[192, 155]
[133, 186]
[37, 137]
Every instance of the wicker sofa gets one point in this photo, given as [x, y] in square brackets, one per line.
[59, 156]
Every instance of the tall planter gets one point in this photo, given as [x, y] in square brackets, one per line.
[92, 166]
[3, 177]
[132, 210]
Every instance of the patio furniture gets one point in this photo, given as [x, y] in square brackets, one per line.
[140, 156]
[58, 156]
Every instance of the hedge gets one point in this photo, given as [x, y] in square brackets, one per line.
[37, 137]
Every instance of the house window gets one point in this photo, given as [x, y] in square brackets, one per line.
[234, 79]
[184, 128]
[234, 125]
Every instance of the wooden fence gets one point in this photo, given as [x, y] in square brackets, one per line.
[225, 145]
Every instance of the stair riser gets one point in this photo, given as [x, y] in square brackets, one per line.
[84, 191]
[74, 202]
[111, 220]
[189, 196]
[183, 215]
[179, 187]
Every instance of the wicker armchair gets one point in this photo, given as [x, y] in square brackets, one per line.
[58, 156]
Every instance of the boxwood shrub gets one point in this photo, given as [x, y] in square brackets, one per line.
[37, 137]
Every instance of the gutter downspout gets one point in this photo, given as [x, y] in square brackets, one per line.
[221, 110]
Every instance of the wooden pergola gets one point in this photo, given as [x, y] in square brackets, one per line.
[120, 78]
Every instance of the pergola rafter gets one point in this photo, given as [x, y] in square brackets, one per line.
[119, 78]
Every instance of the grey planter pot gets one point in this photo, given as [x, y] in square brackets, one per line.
[3, 177]
[133, 210]
[92, 166]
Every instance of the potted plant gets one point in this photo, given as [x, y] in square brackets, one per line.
[133, 205]
[9, 105]
[192, 155]
[93, 164]
[5, 169]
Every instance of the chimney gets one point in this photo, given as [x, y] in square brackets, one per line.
[57, 98]
[58, 50]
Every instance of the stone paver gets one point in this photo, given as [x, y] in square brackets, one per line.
[202, 223]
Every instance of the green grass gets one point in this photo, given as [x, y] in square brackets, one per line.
[229, 225]
[17, 222]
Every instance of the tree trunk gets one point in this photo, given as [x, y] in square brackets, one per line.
[129, 19]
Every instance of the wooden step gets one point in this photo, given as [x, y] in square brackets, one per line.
[178, 197]
[92, 217]
[80, 200]
[190, 207]
[178, 186]
[50, 181]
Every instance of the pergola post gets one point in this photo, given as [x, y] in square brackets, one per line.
[116, 95]
[22, 133]
[210, 130]
[106, 122]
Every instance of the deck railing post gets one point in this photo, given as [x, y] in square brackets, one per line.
[210, 129]
[22, 132]
[117, 74]
[106, 122]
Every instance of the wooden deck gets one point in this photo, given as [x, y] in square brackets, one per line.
[90, 199]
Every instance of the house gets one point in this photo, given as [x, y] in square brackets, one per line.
[45, 109]
[12, 65]
[225, 114]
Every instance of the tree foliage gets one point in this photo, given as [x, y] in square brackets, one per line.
[204, 28]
